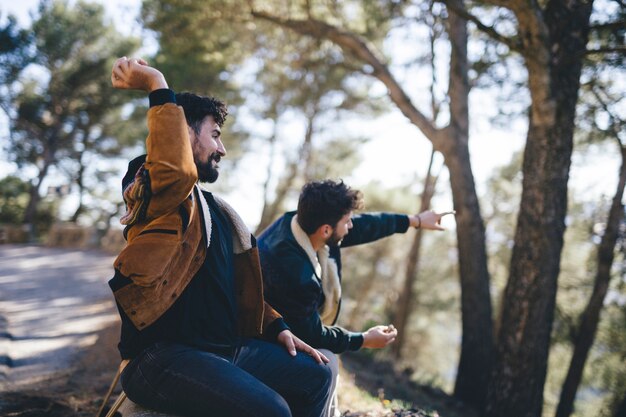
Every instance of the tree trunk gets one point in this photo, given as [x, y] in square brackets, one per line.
[270, 211]
[553, 50]
[407, 298]
[590, 317]
[30, 214]
[80, 177]
[477, 339]
[263, 222]
[49, 152]
[363, 303]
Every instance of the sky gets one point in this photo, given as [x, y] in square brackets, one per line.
[397, 151]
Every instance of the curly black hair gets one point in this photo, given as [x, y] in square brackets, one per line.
[326, 202]
[197, 107]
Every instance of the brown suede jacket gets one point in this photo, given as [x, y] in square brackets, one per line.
[162, 254]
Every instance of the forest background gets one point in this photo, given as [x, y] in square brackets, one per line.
[512, 113]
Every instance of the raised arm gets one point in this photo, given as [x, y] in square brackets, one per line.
[170, 168]
[136, 74]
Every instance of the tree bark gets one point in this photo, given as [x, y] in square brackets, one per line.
[80, 182]
[30, 213]
[477, 340]
[590, 317]
[477, 347]
[553, 42]
[407, 298]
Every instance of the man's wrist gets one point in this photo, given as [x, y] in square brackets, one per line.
[158, 84]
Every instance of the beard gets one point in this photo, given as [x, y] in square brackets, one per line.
[207, 172]
[334, 239]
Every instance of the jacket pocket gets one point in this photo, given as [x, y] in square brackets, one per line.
[147, 258]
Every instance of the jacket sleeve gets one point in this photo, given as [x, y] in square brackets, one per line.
[169, 162]
[273, 322]
[334, 338]
[304, 320]
[369, 227]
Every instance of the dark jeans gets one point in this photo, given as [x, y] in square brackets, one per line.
[262, 379]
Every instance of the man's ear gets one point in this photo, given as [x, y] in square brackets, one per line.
[323, 231]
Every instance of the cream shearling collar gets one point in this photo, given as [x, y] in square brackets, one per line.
[326, 270]
[242, 239]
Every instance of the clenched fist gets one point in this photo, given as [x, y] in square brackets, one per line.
[136, 74]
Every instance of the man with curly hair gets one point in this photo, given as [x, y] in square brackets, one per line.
[301, 263]
[197, 335]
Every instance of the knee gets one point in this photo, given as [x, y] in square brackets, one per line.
[321, 375]
[333, 362]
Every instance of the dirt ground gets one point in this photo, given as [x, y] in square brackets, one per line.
[76, 391]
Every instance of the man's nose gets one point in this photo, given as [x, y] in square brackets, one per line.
[220, 148]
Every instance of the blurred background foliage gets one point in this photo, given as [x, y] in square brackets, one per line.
[301, 104]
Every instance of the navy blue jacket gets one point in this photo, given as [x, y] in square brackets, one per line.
[293, 289]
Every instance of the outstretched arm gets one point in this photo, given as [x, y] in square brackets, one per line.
[428, 220]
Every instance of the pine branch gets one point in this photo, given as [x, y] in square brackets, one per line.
[512, 43]
[606, 49]
[617, 124]
[357, 47]
[607, 25]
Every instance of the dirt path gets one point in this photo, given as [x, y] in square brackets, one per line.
[53, 305]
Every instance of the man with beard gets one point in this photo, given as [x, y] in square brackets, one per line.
[301, 263]
[197, 336]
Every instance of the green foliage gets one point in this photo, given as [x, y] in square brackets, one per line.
[200, 44]
[15, 53]
[62, 107]
[14, 195]
[13, 199]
